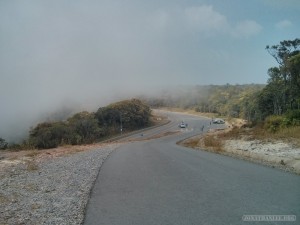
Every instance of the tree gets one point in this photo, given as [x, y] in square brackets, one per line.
[84, 128]
[284, 50]
[131, 114]
[293, 65]
[49, 135]
[287, 56]
[3, 144]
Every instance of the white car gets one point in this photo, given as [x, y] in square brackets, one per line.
[183, 125]
[218, 121]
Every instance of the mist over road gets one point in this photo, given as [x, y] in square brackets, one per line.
[158, 182]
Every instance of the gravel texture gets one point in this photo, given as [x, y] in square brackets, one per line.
[52, 191]
[276, 153]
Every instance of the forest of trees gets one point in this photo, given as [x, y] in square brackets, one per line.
[85, 127]
[225, 100]
[277, 103]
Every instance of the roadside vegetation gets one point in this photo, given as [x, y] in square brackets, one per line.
[271, 110]
[87, 127]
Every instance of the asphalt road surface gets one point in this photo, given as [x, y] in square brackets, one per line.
[155, 181]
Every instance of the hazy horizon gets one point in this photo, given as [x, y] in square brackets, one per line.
[84, 54]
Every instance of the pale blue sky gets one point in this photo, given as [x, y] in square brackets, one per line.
[58, 51]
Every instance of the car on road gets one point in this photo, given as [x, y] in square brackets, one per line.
[218, 121]
[183, 125]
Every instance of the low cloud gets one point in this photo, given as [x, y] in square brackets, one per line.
[246, 29]
[283, 24]
[205, 19]
[81, 55]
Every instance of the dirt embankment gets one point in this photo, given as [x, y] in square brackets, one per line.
[275, 153]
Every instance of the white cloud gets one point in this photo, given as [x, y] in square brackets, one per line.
[205, 18]
[283, 24]
[159, 19]
[246, 29]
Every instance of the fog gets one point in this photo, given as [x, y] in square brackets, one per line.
[68, 56]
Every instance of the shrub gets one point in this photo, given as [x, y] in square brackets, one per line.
[3, 144]
[132, 114]
[49, 135]
[273, 123]
[293, 117]
[84, 127]
[293, 114]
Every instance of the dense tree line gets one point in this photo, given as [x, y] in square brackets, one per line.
[277, 103]
[282, 92]
[88, 127]
[225, 100]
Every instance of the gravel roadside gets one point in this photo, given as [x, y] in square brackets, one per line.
[51, 191]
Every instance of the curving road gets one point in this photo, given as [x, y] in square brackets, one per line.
[155, 181]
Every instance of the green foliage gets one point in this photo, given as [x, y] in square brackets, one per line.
[49, 135]
[85, 127]
[293, 117]
[283, 87]
[273, 122]
[226, 100]
[130, 114]
[3, 144]
[24, 145]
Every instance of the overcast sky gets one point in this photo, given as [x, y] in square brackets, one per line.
[58, 52]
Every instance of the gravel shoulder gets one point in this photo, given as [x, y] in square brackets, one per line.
[49, 187]
[274, 153]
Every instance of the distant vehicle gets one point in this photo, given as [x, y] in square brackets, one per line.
[183, 125]
[218, 121]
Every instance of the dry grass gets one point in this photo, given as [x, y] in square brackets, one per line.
[290, 134]
[191, 143]
[31, 187]
[3, 199]
[35, 206]
[32, 153]
[190, 111]
[31, 165]
[233, 133]
[213, 142]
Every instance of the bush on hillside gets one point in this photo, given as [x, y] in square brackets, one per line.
[85, 127]
[292, 117]
[131, 114]
[49, 135]
[3, 144]
[274, 122]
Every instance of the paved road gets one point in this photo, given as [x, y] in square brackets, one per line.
[158, 182]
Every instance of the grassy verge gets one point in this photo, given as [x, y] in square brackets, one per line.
[190, 111]
[289, 134]
[209, 142]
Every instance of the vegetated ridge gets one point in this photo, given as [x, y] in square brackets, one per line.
[87, 127]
